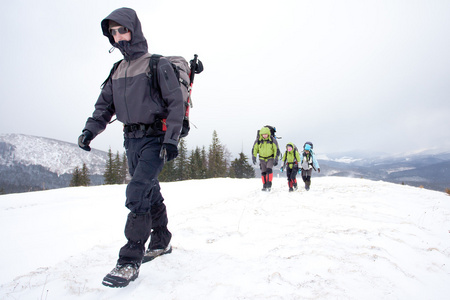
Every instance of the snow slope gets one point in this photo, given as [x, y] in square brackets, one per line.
[344, 239]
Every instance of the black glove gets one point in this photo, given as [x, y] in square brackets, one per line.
[254, 160]
[318, 170]
[85, 139]
[168, 152]
[275, 161]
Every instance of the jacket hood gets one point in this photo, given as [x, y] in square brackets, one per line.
[128, 18]
[290, 144]
[264, 130]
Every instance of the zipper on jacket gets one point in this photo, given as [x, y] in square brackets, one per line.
[125, 92]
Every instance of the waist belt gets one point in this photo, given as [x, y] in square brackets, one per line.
[263, 157]
[155, 129]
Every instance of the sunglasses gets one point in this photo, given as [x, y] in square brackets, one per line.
[121, 30]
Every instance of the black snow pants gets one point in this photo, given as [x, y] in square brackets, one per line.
[292, 175]
[148, 215]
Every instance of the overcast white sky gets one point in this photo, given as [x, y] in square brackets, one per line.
[347, 75]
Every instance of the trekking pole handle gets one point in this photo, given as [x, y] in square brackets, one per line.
[193, 67]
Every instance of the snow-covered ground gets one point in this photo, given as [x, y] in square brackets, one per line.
[344, 239]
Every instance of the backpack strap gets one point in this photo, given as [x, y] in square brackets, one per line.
[153, 64]
[113, 69]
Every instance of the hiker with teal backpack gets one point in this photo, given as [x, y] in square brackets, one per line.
[266, 146]
[291, 160]
[308, 162]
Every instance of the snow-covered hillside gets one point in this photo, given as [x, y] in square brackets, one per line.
[57, 156]
[344, 239]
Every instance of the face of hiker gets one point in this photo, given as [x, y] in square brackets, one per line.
[120, 33]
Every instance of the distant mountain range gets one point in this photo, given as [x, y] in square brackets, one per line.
[30, 163]
[428, 169]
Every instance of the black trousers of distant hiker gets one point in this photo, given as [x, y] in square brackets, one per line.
[292, 175]
[148, 215]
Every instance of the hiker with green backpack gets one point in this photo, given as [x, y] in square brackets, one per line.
[266, 146]
[308, 162]
[291, 160]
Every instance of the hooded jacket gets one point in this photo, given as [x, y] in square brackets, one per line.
[128, 93]
[308, 160]
[291, 157]
[266, 148]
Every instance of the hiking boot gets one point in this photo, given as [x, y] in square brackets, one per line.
[121, 275]
[291, 189]
[152, 254]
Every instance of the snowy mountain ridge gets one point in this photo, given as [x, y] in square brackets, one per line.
[57, 156]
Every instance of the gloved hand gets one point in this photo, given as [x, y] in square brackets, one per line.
[168, 152]
[254, 160]
[299, 171]
[318, 169]
[275, 161]
[281, 169]
[85, 139]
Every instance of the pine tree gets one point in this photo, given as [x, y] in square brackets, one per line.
[76, 177]
[168, 172]
[204, 159]
[217, 164]
[84, 176]
[195, 164]
[181, 162]
[117, 167]
[110, 175]
[240, 168]
[124, 172]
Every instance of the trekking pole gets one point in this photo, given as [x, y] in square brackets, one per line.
[163, 154]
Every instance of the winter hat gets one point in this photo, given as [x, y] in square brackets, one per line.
[307, 147]
[113, 24]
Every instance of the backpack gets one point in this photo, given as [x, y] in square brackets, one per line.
[273, 131]
[273, 139]
[185, 74]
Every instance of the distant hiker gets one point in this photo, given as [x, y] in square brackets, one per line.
[291, 160]
[149, 140]
[308, 163]
[266, 146]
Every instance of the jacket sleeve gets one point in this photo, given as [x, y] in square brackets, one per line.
[103, 112]
[315, 162]
[173, 96]
[255, 149]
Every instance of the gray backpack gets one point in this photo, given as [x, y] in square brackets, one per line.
[185, 75]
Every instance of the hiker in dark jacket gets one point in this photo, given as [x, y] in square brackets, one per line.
[291, 160]
[152, 123]
[308, 163]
